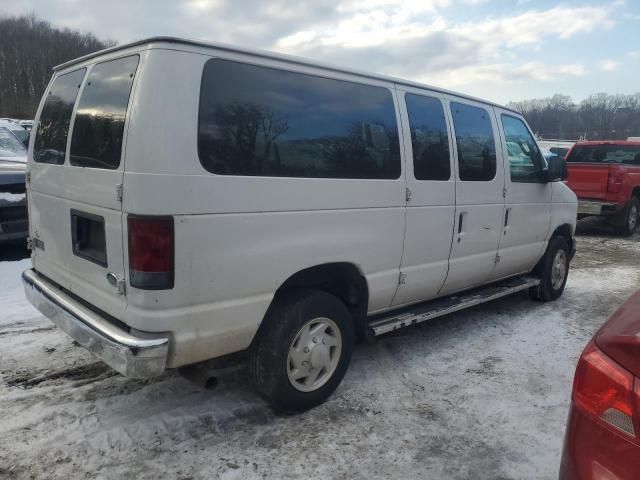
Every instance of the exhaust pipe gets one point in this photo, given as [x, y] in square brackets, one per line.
[199, 375]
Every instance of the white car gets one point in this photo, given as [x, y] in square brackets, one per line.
[191, 200]
[18, 130]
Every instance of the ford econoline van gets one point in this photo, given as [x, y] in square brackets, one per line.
[189, 200]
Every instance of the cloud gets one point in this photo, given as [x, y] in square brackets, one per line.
[416, 39]
[503, 73]
[608, 65]
[430, 48]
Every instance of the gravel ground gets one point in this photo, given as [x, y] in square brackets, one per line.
[480, 394]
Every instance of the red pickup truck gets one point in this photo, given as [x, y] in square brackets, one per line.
[605, 175]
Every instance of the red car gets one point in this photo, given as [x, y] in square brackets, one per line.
[602, 439]
[605, 175]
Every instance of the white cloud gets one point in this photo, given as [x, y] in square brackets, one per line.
[432, 49]
[504, 73]
[416, 39]
[608, 65]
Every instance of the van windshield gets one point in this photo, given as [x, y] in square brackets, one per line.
[10, 147]
[623, 154]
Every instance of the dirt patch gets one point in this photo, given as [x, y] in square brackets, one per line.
[82, 374]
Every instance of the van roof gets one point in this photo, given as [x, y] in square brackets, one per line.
[275, 56]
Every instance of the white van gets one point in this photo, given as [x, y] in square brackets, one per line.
[190, 200]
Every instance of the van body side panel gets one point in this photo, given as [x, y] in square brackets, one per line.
[239, 238]
[479, 209]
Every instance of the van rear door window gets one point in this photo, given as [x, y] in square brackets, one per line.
[263, 121]
[53, 126]
[98, 128]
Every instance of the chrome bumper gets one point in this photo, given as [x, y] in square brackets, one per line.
[594, 207]
[128, 354]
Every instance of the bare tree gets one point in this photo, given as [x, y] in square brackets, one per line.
[599, 116]
[29, 49]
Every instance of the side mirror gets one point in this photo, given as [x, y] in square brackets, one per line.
[556, 169]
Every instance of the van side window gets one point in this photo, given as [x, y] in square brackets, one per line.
[53, 126]
[475, 142]
[429, 138]
[98, 129]
[263, 121]
[525, 159]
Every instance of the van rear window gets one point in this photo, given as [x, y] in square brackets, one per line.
[98, 128]
[605, 153]
[53, 126]
[263, 121]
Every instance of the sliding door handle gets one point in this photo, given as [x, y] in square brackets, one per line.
[507, 220]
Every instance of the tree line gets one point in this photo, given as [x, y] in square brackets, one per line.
[29, 49]
[598, 117]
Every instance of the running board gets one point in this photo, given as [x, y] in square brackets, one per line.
[443, 306]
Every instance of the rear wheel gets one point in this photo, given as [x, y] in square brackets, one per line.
[628, 221]
[553, 271]
[302, 350]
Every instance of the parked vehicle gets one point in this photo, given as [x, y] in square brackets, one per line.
[556, 147]
[212, 199]
[26, 124]
[13, 208]
[605, 175]
[20, 132]
[602, 439]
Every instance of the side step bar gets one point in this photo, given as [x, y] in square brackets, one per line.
[422, 312]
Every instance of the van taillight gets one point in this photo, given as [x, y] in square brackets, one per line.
[616, 177]
[604, 391]
[151, 248]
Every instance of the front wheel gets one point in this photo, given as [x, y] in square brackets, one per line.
[553, 271]
[302, 350]
[628, 222]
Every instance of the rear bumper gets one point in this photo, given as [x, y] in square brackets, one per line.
[595, 207]
[594, 452]
[131, 355]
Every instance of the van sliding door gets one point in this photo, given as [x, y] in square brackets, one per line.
[431, 206]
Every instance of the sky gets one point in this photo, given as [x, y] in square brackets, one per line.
[501, 50]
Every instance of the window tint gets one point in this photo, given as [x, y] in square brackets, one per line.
[269, 122]
[525, 160]
[605, 153]
[53, 126]
[429, 138]
[96, 140]
[475, 142]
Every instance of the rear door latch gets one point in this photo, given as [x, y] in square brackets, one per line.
[115, 282]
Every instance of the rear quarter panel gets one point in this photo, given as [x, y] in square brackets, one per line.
[239, 238]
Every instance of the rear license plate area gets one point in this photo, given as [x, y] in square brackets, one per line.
[88, 238]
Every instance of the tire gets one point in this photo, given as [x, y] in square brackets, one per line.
[553, 271]
[282, 346]
[627, 224]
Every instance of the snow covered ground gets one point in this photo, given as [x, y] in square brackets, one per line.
[480, 394]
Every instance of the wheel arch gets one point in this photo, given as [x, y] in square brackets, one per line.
[567, 231]
[345, 280]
